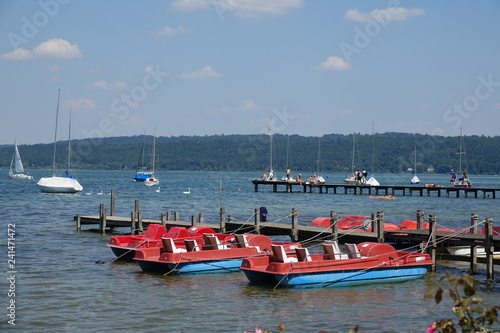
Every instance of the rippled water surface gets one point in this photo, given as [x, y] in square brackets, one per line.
[60, 287]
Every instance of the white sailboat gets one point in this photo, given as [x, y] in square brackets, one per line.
[153, 180]
[56, 184]
[415, 179]
[372, 181]
[18, 171]
[352, 179]
[463, 180]
[140, 174]
[317, 178]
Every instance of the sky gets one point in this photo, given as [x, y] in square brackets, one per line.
[213, 67]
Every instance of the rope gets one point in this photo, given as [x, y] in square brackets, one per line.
[127, 252]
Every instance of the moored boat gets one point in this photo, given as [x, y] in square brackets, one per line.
[363, 263]
[124, 247]
[215, 254]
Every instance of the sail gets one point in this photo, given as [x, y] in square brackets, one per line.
[372, 181]
[415, 180]
[19, 163]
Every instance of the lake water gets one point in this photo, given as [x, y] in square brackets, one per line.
[59, 287]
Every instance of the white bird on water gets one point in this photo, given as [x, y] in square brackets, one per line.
[158, 189]
[187, 192]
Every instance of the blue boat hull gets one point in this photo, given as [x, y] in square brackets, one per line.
[351, 278]
[206, 266]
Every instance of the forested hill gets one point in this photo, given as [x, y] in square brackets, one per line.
[389, 152]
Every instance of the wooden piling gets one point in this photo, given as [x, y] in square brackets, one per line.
[163, 219]
[222, 219]
[420, 219]
[294, 234]
[488, 246]
[380, 227]
[78, 223]
[201, 218]
[257, 221]
[176, 216]
[102, 219]
[112, 204]
[432, 240]
[334, 218]
[473, 248]
[193, 220]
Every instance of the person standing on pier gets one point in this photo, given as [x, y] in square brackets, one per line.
[288, 171]
[453, 176]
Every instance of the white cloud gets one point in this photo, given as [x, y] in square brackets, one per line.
[248, 104]
[189, 5]
[52, 48]
[383, 15]
[169, 31]
[80, 104]
[333, 63]
[18, 54]
[105, 85]
[204, 73]
[345, 111]
[242, 8]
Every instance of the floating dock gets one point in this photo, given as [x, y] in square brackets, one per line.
[379, 189]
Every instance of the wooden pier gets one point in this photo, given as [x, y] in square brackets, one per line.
[434, 241]
[380, 189]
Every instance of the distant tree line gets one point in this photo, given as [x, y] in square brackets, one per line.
[379, 153]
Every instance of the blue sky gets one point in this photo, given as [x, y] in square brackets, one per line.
[203, 67]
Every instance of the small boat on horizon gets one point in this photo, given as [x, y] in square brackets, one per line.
[363, 263]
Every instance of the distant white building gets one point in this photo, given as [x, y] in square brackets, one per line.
[430, 168]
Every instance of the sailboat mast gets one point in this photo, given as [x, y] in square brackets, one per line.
[55, 132]
[415, 161]
[319, 156]
[373, 147]
[154, 150]
[69, 144]
[460, 153]
[271, 150]
[353, 147]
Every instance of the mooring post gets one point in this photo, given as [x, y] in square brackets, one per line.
[132, 222]
[373, 218]
[139, 221]
[257, 220]
[102, 219]
[380, 227]
[163, 219]
[136, 206]
[201, 218]
[176, 216]
[169, 216]
[334, 218]
[295, 231]
[78, 222]
[488, 244]
[473, 248]
[420, 219]
[112, 208]
[432, 239]
[222, 219]
[193, 220]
